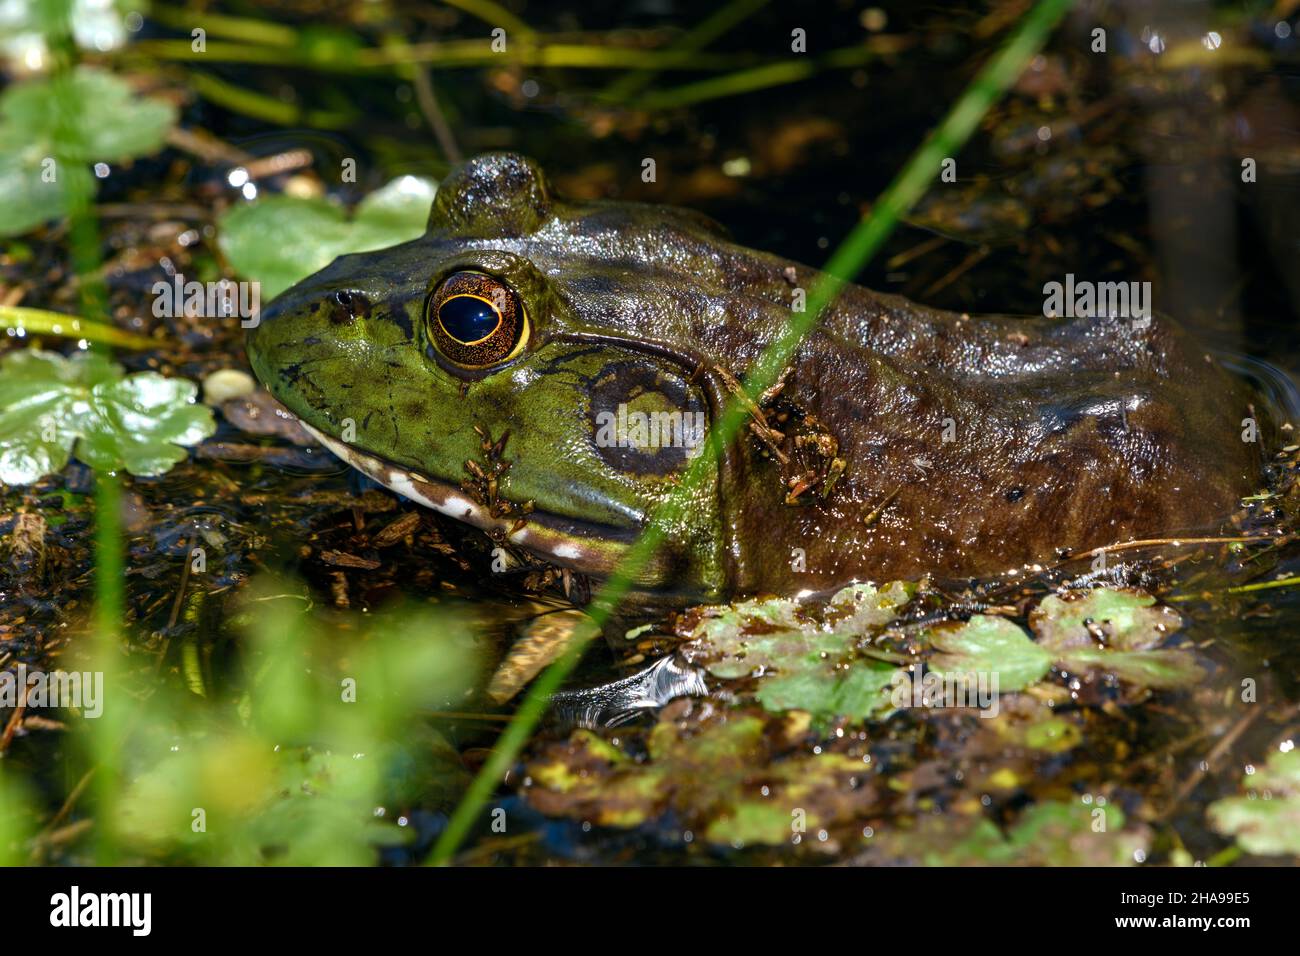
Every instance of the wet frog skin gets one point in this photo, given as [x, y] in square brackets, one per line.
[476, 370]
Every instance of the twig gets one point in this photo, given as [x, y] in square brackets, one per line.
[956, 272]
[65, 835]
[1153, 542]
[1221, 748]
[15, 719]
[870, 517]
[759, 426]
[176, 607]
[1156, 542]
[70, 802]
[206, 146]
[427, 100]
[918, 250]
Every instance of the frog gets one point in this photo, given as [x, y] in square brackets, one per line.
[548, 371]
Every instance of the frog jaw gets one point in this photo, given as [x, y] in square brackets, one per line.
[537, 535]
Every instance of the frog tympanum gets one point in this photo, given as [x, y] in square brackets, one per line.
[545, 370]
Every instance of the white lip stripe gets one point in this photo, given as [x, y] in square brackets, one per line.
[448, 501]
[462, 509]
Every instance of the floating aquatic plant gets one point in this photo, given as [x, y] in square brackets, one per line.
[805, 662]
[1115, 630]
[1267, 820]
[1047, 834]
[819, 661]
[721, 778]
[989, 644]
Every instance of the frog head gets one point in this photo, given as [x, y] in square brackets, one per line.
[529, 366]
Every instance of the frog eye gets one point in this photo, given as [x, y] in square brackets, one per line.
[475, 320]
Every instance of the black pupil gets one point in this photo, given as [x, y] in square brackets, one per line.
[467, 318]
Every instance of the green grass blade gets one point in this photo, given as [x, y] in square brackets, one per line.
[246, 102]
[697, 38]
[219, 25]
[496, 15]
[18, 320]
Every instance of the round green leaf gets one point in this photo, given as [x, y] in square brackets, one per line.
[988, 644]
[50, 404]
[28, 198]
[1267, 820]
[856, 690]
[280, 240]
[48, 125]
[1165, 669]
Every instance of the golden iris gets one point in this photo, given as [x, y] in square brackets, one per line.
[476, 320]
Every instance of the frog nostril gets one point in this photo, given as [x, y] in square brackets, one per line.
[345, 305]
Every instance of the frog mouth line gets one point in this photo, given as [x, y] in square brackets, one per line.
[541, 534]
